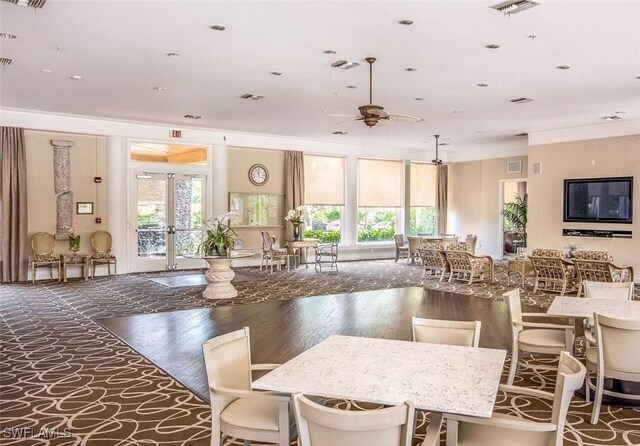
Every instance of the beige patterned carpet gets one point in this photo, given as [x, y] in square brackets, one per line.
[66, 381]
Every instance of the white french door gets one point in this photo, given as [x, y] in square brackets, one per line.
[169, 208]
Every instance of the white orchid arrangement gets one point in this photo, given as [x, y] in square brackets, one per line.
[297, 215]
[219, 235]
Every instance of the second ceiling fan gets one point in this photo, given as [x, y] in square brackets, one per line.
[371, 114]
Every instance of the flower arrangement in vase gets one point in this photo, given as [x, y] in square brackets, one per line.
[219, 236]
[74, 240]
[297, 217]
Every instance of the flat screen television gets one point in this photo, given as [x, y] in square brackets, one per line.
[599, 200]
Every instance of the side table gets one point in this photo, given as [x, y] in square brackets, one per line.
[519, 266]
[74, 260]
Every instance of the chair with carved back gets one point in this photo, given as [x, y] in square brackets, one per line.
[468, 267]
[402, 248]
[271, 254]
[101, 245]
[598, 266]
[553, 273]
[472, 240]
[434, 260]
[42, 245]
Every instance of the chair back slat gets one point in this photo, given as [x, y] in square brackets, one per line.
[570, 377]
[614, 291]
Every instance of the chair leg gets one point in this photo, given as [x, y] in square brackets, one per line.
[587, 389]
[397, 255]
[597, 399]
[33, 273]
[513, 368]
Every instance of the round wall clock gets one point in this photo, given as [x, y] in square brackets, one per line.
[258, 174]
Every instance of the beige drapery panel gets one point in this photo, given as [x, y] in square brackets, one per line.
[13, 205]
[442, 188]
[294, 184]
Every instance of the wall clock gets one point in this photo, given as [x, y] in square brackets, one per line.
[258, 174]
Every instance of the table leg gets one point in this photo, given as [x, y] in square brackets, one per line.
[219, 277]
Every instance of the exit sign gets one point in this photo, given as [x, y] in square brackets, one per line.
[176, 133]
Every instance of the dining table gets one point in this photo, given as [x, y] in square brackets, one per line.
[434, 377]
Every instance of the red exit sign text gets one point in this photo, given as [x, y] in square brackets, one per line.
[176, 133]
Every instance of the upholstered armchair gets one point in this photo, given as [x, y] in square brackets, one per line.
[468, 267]
[598, 266]
[101, 245]
[42, 244]
[434, 260]
[402, 248]
[553, 272]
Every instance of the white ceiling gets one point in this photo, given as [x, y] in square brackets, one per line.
[119, 48]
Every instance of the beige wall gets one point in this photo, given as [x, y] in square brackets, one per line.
[474, 200]
[608, 157]
[88, 160]
[240, 160]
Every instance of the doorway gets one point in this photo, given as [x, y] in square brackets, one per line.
[513, 216]
[169, 208]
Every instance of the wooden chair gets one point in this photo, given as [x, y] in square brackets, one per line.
[468, 267]
[434, 260]
[42, 245]
[392, 426]
[270, 254]
[552, 272]
[598, 266]
[471, 241]
[615, 356]
[402, 248]
[509, 430]
[437, 331]
[236, 410]
[101, 245]
[327, 254]
[534, 337]
[448, 239]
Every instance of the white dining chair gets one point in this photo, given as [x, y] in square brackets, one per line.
[323, 426]
[437, 331]
[614, 356]
[534, 337]
[603, 290]
[509, 430]
[236, 410]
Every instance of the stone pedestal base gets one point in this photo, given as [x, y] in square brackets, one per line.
[219, 276]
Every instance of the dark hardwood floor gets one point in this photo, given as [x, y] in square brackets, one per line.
[283, 329]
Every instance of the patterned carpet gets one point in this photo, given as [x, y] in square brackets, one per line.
[66, 381]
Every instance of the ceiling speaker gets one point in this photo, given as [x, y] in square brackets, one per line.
[537, 168]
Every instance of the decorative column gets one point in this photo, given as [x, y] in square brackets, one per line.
[219, 186]
[62, 187]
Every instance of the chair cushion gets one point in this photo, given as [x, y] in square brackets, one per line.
[592, 355]
[46, 259]
[103, 256]
[481, 435]
[251, 413]
[541, 337]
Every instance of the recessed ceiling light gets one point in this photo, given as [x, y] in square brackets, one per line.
[253, 97]
[340, 132]
[46, 70]
[218, 28]
[159, 88]
[59, 48]
[76, 77]
[352, 87]
[514, 6]
[521, 100]
[612, 118]
[344, 64]
[411, 69]
[276, 73]
[329, 52]
[196, 117]
[7, 36]
[480, 131]
[482, 85]
[620, 112]
[532, 36]
[458, 111]
[418, 99]
[174, 54]
[406, 22]
[492, 46]
[325, 111]
[563, 67]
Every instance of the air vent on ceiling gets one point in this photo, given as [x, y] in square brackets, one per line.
[514, 6]
[5, 61]
[344, 64]
[522, 134]
[612, 118]
[31, 3]
[521, 100]
[514, 166]
[253, 97]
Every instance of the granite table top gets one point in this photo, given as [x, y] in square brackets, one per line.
[434, 377]
[583, 307]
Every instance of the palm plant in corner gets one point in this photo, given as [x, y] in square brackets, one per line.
[218, 237]
[515, 214]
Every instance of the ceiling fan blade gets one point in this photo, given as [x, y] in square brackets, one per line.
[341, 115]
[379, 113]
[399, 117]
[349, 120]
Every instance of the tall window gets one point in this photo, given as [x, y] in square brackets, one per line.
[422, 215]
[324, 197]
[380, 195]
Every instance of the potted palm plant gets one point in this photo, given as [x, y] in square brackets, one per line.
[515, 214]
[218, 236]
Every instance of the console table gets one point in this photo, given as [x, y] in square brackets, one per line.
[74, 260]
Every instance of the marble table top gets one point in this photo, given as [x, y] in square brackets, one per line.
[585, 307]
[441, 378]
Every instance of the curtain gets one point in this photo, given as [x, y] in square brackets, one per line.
[441, 198]
[324, 180]
[380, 183]
[13, 205]
[294, 184]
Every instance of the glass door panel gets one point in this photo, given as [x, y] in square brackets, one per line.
[189, 208]
[151, 218]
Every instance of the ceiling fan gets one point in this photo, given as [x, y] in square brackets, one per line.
[437, 161]
[371, 114]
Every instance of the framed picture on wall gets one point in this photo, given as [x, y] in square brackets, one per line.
[84, 207]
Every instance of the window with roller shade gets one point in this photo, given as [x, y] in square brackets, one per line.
[324, 197]
[422, 198]
[380, 199]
